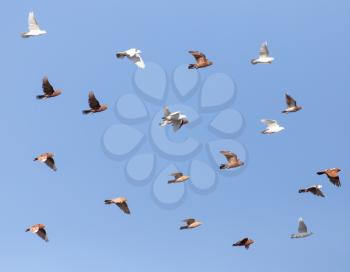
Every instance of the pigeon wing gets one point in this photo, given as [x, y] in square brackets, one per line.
[124, 207]
[138, 61]
[47, 87]
[199, 56]
[290, 101]
[93, 102]
[177, 175]
[42, 234]
[302, 227]
[189, 221]
[32, 22]
[270, 123]
[229, 156]
[264, 51]
[50, 162]
[166, 111]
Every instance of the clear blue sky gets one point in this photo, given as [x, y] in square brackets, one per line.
[310, 42]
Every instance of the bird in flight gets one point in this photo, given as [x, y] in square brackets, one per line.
[176, 119]
[232, 160]
[33, 27]
[95, 106]
[190, 223]
[47, 158]
[246, 242]
[201, 60]
[48, 90]
[178, 178]
[291, 105]
[132, 54]
[39, 229]
[271, 126]
[121, 202]
[264, 57]
[332, 174]
[302, 230]
[315, 189]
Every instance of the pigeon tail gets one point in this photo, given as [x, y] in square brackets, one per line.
[302, 191]
[192, 66]
[172, 181]
[320, 173]
[86, 111]
[253, 61]
[222, 166]
[27, 230]
[40, 96]
[183, 227]
[120, 55]
[108, 201]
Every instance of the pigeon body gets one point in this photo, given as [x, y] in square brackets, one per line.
[246, 242]
[121, 202]
[48, 90]
[47, 158]
[201, 60]
[332, 174]
[291, 105]
[232, 160]
[39, 229]
[132, 54]
[302, 230]
[33, 27]
[264, 57]
[176, 119]
[190, 224]
[315, 189]
[94, 104]
[272, 126]
[178, 178]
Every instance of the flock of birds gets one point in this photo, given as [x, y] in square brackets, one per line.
[177, 120]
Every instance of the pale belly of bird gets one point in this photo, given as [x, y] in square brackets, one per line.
[301, 235]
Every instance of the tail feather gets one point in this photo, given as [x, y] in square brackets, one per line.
[183, 227]
[42, 96]
[222, 166]
[320, 173]
[192, 66]
[108, 201]
[86, 111]
[302, 191]
[172, 181]
[253, 61]
[120, 55]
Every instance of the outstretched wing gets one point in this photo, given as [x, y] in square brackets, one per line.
[199, 56]
[138, 61]
[50, 162]
[269, 123]
[32, 22]
[166, 111]
[290, 101]
[93, 102]
[47, 87]
[177, 175]
[264, 51]
[42, 234]
[189, 221]
[302, 227]
[124, 207]
[230, 156]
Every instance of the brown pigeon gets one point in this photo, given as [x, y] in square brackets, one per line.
[47, 158]
[291, 105]
[48, 90]
[39, 229]
[201, 60]
[121, 202]
[178, 177]
[232, 160]
[246, 242]
[190, 223]
[94, 105]
[315, 189]
[332, 174]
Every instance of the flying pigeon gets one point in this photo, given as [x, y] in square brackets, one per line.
[39, 229]
[332, 174]
[121, 202]
[47, 158]
[33, 27]
[232, 160]
[48, 90]
[94, 105]
[302, 230]
[315, 189]
[190, 224]
[179, 177]
[264, 57]
[134, 55]
[246, 242]
[201, 60]
[272, 126]
[176, 119]
[291, 105]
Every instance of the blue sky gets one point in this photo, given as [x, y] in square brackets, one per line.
[310, 45]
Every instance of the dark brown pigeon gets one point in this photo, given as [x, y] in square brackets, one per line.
[201, 60]
[232, 160]
[332, 174]
[121, 202]
[246, 242]
[39, 229]
[316, 190]
[291, 105]
[48, 90]
[94, 105]
[47, 158]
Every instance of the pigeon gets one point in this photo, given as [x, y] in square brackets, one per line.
[33, 27]
[47, 158]
[232, 160]
[302, 230]
[201, 60]
[264, 57]
[39, 229]
[48, 90]
[179, 177]
[246, 242]
[272, 126]
[121, 202]
[190, 224]
[315, 189]
[94, 105]
[332, 174]
[134, 55]
[291, 105]
[176, 119]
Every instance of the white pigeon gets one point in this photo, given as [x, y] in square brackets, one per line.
[33, 27]
[176, 119]
[134, 55]
[264, 56]
[302, 230]
[271, 126]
